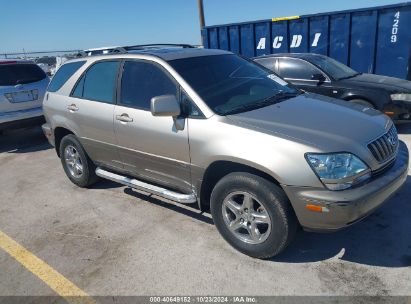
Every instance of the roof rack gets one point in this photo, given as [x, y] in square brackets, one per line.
[156, 45]
[143, 46]
[125, 49]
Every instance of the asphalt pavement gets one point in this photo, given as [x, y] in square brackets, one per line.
[111, 240]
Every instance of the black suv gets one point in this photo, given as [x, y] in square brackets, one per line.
[323, 75]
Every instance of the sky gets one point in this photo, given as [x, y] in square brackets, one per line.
[49, 25]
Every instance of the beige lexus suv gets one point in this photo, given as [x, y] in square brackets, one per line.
[208, 127]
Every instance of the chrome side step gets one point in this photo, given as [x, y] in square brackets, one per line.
[139, 185]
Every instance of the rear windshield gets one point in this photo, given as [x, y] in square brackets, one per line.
[13, 74]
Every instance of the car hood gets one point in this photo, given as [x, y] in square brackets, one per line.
[329, 124]
[391, 83]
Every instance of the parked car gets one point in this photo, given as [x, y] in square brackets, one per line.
[209, 127]
[323, 75]
[47, 64]
[22, 88]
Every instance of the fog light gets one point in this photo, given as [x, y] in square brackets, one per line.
[9, 97]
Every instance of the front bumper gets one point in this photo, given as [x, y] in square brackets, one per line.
[348, 206]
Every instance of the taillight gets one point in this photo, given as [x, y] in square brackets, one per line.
[8, 62]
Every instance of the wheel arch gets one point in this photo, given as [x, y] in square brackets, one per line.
[216, 170]
[59, 133]
[351, 97]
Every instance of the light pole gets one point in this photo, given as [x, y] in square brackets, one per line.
[201, 13]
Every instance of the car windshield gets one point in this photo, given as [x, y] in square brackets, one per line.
[229, 84]
[332, 67]
[13, 74]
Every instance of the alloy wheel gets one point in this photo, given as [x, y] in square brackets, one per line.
[246, 217]
[73, 161]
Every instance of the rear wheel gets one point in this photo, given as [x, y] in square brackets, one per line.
[77, 165]
[253, 215]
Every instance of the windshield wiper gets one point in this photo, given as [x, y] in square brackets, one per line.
[350, 76]
[263, 103]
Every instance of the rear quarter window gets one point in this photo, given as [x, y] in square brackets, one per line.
[63, 74]
[20, 73]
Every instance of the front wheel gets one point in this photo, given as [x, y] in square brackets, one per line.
[253, 215]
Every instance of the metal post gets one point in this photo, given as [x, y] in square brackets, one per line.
[409, 65]
[201, 13]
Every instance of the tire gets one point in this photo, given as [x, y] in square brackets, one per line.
[363, 103]
[82, 170]
[274, 217]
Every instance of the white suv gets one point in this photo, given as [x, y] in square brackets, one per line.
[22, 88]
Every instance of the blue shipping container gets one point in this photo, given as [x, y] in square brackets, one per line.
[371, 40]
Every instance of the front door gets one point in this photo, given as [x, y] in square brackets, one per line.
[151, 147]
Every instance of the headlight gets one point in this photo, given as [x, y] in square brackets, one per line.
[338, 171]
[401, 96]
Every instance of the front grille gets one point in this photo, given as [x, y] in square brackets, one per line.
[385, 147]
[384, 168]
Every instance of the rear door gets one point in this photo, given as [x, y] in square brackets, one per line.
[90, 109]
[300, 73]
[151, 148]
[22, 86]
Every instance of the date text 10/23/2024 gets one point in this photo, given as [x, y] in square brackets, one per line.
[203, 299]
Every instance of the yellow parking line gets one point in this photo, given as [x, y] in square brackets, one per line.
[62, 286]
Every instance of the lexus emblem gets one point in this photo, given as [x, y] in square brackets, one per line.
[392, 140]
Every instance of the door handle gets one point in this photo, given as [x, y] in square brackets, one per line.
[72, 108]
[124, 118]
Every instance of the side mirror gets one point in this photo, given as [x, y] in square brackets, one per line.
[319, 77]
[165, 105]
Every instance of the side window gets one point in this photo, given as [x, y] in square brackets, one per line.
[78, 91]
[63, 74]
[190, 109]
[267, 63]
[142, 81]
[99, 82]
[296, 69]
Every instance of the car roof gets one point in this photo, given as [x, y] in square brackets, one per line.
[166, 53]
[305, 56]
